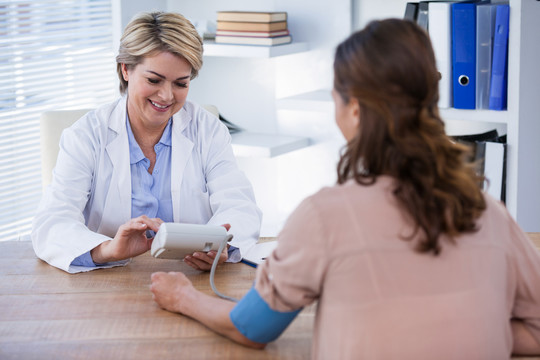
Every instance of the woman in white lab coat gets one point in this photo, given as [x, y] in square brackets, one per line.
[149, 157]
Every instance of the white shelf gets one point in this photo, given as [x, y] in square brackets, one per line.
[319, 100]
[248, 144]
[252, 51]
[489, 116]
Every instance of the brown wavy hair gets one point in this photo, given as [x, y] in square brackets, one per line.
[389, 67]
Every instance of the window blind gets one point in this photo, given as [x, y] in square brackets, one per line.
[53, 55]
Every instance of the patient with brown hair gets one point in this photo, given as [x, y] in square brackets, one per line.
[407, 257]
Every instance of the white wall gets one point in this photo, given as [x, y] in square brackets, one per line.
[129, 8]
[367, 10]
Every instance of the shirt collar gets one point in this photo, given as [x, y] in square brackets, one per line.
[166, 137]
[135, 152]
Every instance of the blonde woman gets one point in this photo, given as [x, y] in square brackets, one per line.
[406, 256]
[150, 157]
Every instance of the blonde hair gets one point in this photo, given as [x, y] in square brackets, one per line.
[150, 33]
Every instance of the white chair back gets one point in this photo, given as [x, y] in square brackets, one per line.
[51, 125]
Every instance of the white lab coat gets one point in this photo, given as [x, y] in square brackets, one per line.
[90, 193]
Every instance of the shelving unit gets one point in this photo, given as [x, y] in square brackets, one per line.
[522, 119]
[488, 116]
[249, 144]
[252, 51]
[318, 100]
[321, 100]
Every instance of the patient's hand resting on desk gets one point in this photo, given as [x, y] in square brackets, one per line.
[174, 292]
[171, 290]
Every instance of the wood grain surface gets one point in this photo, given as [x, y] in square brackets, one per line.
[109, 313]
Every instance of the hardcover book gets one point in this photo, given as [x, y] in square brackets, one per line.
[251, 16]
[251, 26]
[246, 40]
[266, 34]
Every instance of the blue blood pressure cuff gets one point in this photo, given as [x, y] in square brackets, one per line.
[257, 321]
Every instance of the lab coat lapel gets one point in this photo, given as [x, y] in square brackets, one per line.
[118, 202]
[181, 153]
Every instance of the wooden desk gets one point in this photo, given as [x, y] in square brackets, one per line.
[46, 313]
[535, 237]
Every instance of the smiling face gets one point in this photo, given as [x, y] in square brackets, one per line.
[157, 89]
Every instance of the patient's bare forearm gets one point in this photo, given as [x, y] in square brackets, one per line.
[214, 313]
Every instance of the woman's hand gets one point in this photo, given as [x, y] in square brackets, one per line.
[174, 292]
[203, 261]
[130, 240]
[171, 290]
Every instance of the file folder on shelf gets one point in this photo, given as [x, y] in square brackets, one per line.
[439, 15]
[494, 169]
[422, 16]
[499, 68]
[485, 30]
[488, 154]
[411, 11]
[464, 55]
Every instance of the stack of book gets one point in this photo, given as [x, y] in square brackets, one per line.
[252, 28]
[470, 41]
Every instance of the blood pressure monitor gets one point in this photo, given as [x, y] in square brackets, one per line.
[175, 240]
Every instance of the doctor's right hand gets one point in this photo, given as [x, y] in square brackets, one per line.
[130, 240]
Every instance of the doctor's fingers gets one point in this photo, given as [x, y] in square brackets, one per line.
[151, 223]
[188, 260]
[222, 257]
[132, 226]
[203, 256]
[197, 263]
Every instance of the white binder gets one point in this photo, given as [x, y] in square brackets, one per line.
[485, 30]
[494, 169]
[439, 26]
